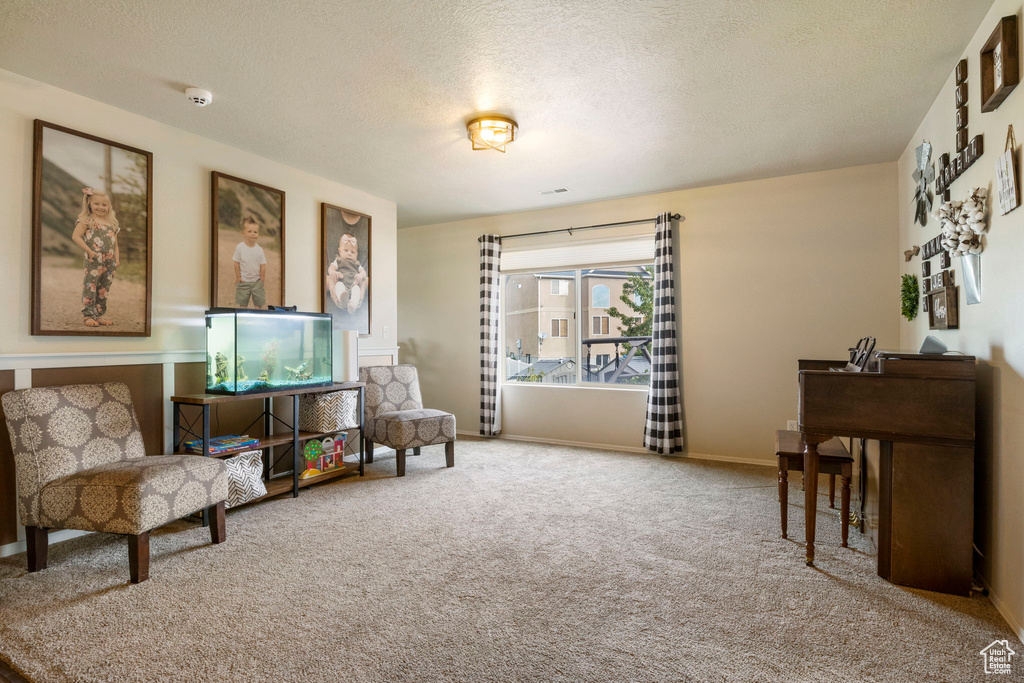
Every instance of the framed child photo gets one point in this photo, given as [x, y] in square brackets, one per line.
[248, 244]
[345, 267]
[92, 235]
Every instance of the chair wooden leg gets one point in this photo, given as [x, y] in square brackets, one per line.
[37, 539]
[449, 454]
[400, 457]
[138, 557]
[416, 451]
[846, 510]
[218, 527]
[832, 491]
[368, 456]
[784, 495]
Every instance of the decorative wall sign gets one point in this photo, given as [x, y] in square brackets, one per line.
[931, 248]
[945, 261]
[942, 311]
[1006, 175]
[924, 176]
[1000, 71]
[967, 149]
[926, 268]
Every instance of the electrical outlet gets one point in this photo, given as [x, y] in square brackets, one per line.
[386, 331]
[791, 425]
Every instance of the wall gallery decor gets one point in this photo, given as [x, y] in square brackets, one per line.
[1000, 71]
[1006, 175]
[345, 238]
[908, 297]
[963, 224]
[942, 311]
[92, 235]
[967, 151]
[247, 263]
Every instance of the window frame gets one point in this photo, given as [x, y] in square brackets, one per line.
[580, 382]
[608, 292]
[560, 321]
[606, 322]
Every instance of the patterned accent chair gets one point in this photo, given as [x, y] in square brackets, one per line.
[80, 464]
[395, 416]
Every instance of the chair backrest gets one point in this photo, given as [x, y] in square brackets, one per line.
[57, 431]
[390, 388]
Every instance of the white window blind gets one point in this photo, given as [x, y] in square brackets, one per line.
[634, 249]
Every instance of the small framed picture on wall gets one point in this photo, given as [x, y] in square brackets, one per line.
[345, 240]
[92, 235]
[248, 244]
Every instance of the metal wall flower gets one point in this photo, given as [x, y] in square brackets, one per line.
[924, 175]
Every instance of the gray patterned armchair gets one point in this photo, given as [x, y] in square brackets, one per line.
[395, 415]
[80, 463]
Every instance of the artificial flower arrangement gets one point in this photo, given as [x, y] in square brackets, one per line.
[963, 223]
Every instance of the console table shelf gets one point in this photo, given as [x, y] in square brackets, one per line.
[293, 438]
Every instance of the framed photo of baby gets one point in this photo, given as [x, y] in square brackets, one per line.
[248, 244]
[345, 267]
[92, 235]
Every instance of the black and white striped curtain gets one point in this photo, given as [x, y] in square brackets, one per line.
[663, 432]
[490, 287]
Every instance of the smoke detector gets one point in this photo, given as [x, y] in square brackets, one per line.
[199, 97]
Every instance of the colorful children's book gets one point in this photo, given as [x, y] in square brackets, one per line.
[222, 444]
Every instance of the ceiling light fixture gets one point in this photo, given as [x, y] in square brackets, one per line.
[492, 132]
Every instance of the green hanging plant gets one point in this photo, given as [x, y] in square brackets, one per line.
[909, 297]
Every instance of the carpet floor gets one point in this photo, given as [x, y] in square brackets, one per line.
[524, 562]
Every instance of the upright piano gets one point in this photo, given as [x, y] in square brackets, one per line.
[919, 408]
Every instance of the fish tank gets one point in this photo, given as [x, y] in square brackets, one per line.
[252, 350]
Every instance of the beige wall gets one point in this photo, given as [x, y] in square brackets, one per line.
[182, 163]
[991, 330]
[767, 272]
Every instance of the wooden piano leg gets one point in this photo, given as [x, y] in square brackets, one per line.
[832, 491]
[846, 509]
[811, 490]
[783, 492]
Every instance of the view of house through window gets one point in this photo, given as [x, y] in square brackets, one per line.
[611, 316]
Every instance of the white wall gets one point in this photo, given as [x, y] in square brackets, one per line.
[767, 272]
[992, 330]
[182, 163]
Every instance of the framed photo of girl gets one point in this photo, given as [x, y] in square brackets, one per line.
[345, 267]
[248, 244]
[92, 235]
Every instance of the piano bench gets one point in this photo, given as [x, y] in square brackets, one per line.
[833, 459]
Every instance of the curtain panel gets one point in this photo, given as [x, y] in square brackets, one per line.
[490, 289]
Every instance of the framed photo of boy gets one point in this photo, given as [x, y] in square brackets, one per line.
[248, 244]
[92, 235]
[345, 267]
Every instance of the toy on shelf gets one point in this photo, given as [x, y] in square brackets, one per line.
[313, 453]
[294, 350]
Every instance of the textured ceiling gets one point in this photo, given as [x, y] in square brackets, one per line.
[613, 97]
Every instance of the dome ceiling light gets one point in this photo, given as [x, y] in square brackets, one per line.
[492, 132]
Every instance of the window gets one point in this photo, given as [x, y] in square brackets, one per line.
[565, 340]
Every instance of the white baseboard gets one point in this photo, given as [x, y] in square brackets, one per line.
[628, 449]
[55, 537]
[1004, 611]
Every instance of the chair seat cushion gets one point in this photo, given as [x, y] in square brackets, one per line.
[401, 429]
[133, 496]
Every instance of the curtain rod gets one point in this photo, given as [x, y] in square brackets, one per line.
[674, 216]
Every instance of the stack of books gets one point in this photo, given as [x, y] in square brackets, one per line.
[222, 444]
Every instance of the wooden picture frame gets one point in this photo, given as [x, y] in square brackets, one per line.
[943, 313]
[67, 290]
[1000, 67]
[337, 286]
[235, 201]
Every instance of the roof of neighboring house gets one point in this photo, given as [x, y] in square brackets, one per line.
[545, 365]
[638, 365]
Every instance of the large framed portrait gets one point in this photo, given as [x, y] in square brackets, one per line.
[248, 244]
[92, 235]
[345, 267]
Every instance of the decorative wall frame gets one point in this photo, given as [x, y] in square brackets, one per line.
[92, 235]
[346, 233]
[1007, 189]
[1000, 68]
[943, 313]
[236, 201]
